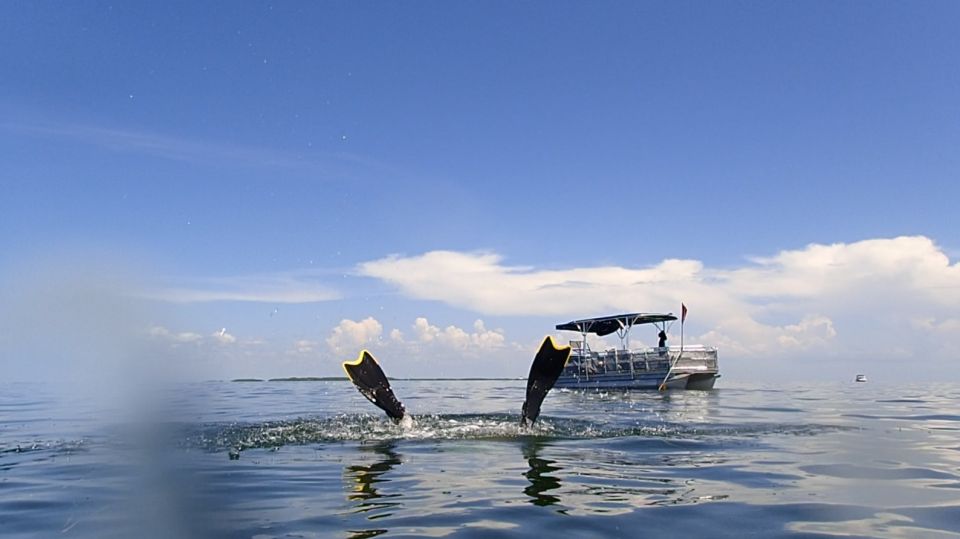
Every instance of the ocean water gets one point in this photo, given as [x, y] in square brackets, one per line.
[314, 459]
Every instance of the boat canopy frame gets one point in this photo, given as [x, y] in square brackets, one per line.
[621, 324]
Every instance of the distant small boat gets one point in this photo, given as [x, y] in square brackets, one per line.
[861, 378]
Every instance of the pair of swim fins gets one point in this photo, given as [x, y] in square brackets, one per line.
[366, 374]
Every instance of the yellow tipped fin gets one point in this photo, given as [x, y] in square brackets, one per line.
[366, 374]
[547, 366]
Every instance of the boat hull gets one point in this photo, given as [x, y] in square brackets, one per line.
[694, 382]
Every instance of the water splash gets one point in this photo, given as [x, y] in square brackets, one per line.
[368, 428]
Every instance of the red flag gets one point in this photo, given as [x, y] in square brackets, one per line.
[683, 313]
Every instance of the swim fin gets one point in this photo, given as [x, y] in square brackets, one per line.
[546, 368]
[366, 374]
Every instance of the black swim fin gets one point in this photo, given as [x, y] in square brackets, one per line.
[546, 368]
[366, 374]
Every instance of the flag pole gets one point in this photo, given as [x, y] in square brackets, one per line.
[683, 318]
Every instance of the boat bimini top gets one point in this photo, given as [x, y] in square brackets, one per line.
[621, 324]
[605, 325]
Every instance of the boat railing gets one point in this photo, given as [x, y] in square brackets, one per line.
[696, 350]
[578, 347]
[694, 358]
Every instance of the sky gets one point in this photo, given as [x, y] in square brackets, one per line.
[266, 188]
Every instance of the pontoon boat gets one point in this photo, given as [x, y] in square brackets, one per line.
[686, 367]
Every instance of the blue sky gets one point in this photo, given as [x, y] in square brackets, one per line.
[313, 178]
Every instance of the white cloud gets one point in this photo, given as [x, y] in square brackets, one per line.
[486, 338]
[860, 302]
[425, 340]
[424, 331]
[946, 326]
[453, 337]
[912, 264]
[222, 337]
[860, 295]
[193, 355]
[743, 335]
[479, 282]
[303, 347]
[349, 335]
[180, 337]
[219, 337]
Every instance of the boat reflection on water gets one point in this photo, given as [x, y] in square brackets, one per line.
[574, 464]
[643, 466]
[538, 474]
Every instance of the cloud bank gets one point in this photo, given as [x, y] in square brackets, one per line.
[421, 349]
[894, 297]
[422, 338]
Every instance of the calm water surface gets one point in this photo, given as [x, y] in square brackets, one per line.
[314, 459]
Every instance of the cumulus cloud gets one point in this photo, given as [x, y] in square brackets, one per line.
[424, 338]
[349, 335]
[913, 266]
[222, 337]
[861, 294]
[744, 336]
[453, 337]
